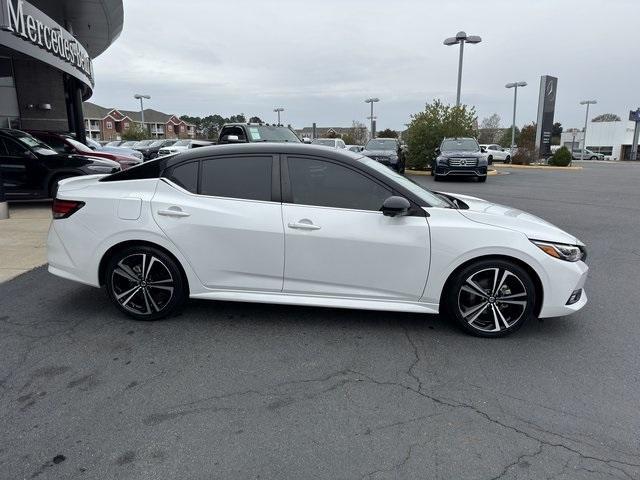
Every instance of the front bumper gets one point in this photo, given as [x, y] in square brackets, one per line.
[564, 279]
[476, 171]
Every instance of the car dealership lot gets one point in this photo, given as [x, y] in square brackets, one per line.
[232, 390]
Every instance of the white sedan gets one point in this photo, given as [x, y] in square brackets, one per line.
[496, 153]
[304, 225]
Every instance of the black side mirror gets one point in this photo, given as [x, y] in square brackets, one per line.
[437, 150]
[395, 207]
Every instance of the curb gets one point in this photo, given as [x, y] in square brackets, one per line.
[536, 167]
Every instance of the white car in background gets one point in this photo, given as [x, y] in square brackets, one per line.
[336, 143]
[213, 223]
[495, 153]
[182, 145]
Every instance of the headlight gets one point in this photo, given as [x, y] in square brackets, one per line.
[100, 168]
[440, 159]
[569, 253]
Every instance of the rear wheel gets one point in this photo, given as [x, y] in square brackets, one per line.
[145, 283]
[507, 159]
[490, 298]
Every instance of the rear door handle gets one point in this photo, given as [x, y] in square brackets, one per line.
[173, 212]
[304, 225]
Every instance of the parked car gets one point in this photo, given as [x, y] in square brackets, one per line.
[31, 169]
[256, 132]
[460, 157]
[212, 223]
[355, 148]
[96, 147]
[182, 145]
[128, 143]
[387, 151]
[63, 143]
[336, 143]
[151, 150]
[495, 152]
[114, 143]
[588, 155]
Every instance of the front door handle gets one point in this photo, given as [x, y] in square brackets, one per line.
[173, 212]
[304, 224]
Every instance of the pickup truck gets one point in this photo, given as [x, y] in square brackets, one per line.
[256, 132]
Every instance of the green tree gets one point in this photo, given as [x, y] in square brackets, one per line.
[387, 133]
[607, 117]
[526, 146]
[556, 132]
[427, 129]
[561, 158]
[505, 139]
[135, 132]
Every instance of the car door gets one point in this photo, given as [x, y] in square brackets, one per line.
[337, 241]
[224, 214]
[21, 169]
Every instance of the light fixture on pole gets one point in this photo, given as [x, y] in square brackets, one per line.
[515, 86]
[586, 119]
[372, 100]
[461, 38]
[138, 96]
[278, 110]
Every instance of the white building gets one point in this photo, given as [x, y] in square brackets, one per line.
[613, 139]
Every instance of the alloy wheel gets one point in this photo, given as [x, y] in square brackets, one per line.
[492, 299]
[142, 284]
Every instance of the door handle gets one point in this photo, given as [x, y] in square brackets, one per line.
[173, 212]
[304, 225]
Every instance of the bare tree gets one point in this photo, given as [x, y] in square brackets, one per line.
[607, 117]
[489, 129]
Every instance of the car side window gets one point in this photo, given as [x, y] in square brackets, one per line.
[56, 143]
[327, 184]
[185, 175]
[14, 149]
[237, 177]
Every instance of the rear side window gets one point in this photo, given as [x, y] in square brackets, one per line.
[237, 177]
[185, 175]
[326, 184]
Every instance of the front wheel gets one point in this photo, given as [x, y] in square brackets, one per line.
[594, 158]
[490, 298]
[482, 179]
[145, 283]
[507, 159]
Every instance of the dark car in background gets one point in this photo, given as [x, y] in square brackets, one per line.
[31, 169]
[150, 150]
[256, 132]
[460, 157]
[387, 151]
[63, 143]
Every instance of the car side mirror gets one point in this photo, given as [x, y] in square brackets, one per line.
[437, 150]
[483, 150]
[395, 207]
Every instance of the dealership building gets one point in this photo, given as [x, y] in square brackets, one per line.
[46, 53]
[613, 139]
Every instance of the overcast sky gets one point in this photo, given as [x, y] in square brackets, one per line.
[321, 59]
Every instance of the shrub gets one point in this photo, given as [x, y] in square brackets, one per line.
[526, 146]
[561, 158]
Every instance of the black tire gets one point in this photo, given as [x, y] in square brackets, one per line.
[159, 292]
[482, 179]
[437, 178]
[53, 184]
[490, 159]
[484, 314]
[508, 159]
[593, 158]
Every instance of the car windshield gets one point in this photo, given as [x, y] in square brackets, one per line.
[143, 143]
[113, 144]
[157, 143]
[379, 144]
[271, 133]
[328, 142]
[35, 144]
[429, 197]
[182, 143]
[81, 147]
[459, 145]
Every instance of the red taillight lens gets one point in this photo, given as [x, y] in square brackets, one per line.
[65, 208]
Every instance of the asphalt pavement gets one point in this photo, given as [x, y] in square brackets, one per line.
[230, 390]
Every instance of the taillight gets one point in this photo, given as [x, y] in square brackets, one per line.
[65, 208]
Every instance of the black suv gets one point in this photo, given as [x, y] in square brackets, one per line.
[387, 151]
[151, 150]
[256, 132]
[459, 157]
[31, 169]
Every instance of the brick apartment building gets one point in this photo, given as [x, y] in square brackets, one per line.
[103, 123]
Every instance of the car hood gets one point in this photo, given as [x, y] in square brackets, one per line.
[461, 154]
[497, 215]
[381, 153]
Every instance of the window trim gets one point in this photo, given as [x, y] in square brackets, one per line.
[287, 196]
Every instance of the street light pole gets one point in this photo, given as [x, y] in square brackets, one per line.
[140, 97]
[515, 86]
[278, 110]
[372, 100]
[460, 39]
[586, 119]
